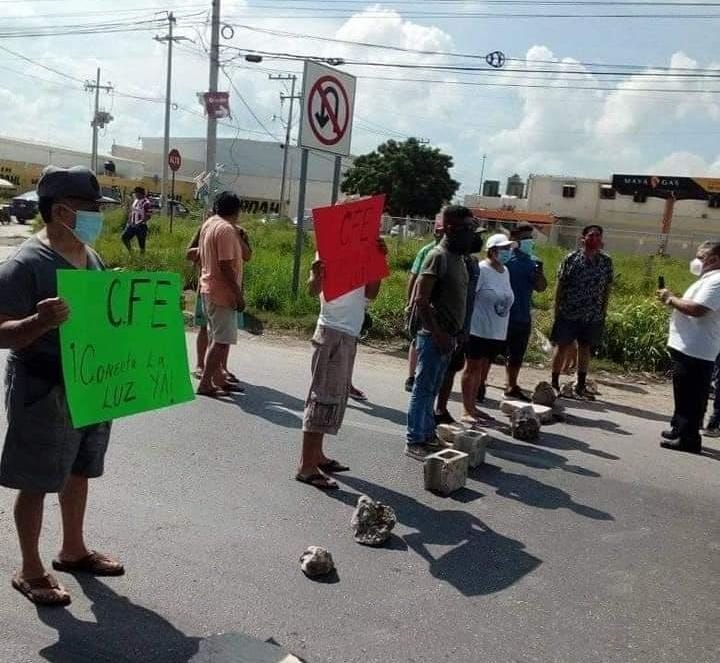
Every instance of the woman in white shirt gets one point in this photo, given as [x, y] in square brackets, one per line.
[489, 325]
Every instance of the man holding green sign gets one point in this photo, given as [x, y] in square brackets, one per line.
[52, 446]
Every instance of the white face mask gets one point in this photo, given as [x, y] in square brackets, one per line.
[696, 267]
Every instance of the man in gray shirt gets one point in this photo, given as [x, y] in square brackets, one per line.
[43, 453]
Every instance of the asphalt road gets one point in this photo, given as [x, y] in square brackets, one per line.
[592, 545]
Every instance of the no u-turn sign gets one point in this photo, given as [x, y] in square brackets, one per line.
[328, 103]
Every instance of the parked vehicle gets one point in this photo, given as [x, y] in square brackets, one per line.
[24, 207]
[180, 209]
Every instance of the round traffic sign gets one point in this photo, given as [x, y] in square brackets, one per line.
[174, 160]
[328, 110]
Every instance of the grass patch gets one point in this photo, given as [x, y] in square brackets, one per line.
[634, 339]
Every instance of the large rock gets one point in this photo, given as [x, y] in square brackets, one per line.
[372, 522]
[544, 414]
[524, 424]
[316, 561]
[544, 394]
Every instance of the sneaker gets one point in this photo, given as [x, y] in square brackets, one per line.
[517, 394]
[357, 394]
[481, 394]
[417, 451]
[444, 418]
[679, 446]
[409, 384]
[583, 394]
[712, 429]
[672, 434]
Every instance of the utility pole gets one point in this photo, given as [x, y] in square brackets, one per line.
[286, 148]
[170, 39]
[211, 140]
[482, 175]
[100, 119]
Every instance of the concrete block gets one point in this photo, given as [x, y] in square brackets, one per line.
[543, 413]
[473, 443]
[446, 471]
[447, 432]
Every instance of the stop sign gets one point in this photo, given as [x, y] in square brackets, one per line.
[174, 160]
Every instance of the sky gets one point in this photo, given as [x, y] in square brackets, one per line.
[649, 103]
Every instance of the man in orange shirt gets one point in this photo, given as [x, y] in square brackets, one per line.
[221, 289]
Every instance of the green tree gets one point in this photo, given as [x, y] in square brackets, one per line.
[415, 178]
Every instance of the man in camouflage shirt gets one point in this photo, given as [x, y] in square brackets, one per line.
[581, 300]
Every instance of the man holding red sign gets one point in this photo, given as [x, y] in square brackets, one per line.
[345, 233]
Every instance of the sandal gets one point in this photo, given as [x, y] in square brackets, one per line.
[319, 480]
[357, 394]
[213, 393]
[233, 387]
[333, 466]
[94, 563]
[45, 591]
[231, 378]
[197, 373]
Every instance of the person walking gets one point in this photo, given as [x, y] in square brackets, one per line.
[489, 325]
[415, 269]
[526, 277]
[334, 349]
[137, 221]
[439, 300]
[584, 280]
[221, 274]
[43, 453]
[694, 344]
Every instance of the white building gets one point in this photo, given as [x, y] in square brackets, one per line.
[251, 168]
[631, 226]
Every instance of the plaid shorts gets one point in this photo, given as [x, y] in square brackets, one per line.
[332, 368]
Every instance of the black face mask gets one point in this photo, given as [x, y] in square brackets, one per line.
[477, 243]
[461, 241]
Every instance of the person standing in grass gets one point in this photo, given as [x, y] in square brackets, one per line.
[335, 346]
[137, 221]
[526, 277]
[415, 270]
[584, 280]
[221, 273]
[694, 344]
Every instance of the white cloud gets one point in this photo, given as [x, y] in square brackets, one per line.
[686, 164]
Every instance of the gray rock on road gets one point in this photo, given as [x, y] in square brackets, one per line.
[372, 522]
[544, 394]
[316, 561]
[525, 424]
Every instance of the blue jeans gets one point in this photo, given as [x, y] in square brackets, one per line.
[429, 375]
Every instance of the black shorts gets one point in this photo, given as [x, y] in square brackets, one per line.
[517, 342]
[565, 332]
[484, 348]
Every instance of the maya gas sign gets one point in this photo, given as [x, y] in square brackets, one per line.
[661, 186]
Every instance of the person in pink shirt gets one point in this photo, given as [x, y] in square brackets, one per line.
[221, 276]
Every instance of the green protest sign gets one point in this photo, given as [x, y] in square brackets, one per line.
[123, 348]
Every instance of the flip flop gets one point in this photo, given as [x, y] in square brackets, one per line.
[213, 393]
[318, 480]
[197, 374]
[48, 583]
[94, 563]
[231, 378]
[233, 387]
[333, 466]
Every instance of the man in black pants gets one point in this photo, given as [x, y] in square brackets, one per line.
[138, 217]
[694, 343]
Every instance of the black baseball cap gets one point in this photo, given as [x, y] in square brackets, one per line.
[522, 228]
[76, 182]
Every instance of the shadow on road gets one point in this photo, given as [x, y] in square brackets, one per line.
[557, 441]
[276, 407]
[380, 411]
[531, 491]
[606, 406]
[533, 456]
[123, 633]
[481, 562]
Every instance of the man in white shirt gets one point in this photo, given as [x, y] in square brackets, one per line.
[693, 343]
[335, 345]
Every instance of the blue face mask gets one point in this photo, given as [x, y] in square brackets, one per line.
[527, 246]
[504, 256]
[88, 225]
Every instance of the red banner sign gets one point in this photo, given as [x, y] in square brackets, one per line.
[346, 237]
[217, 104]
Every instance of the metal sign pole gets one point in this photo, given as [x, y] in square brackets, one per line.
[172, 200]
[336, 180]
[299, 230]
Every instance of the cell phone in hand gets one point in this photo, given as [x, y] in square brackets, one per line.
[661, 283]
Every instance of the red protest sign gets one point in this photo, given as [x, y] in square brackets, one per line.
[346, 237]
